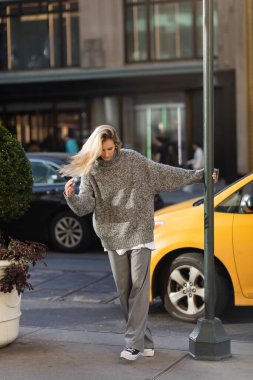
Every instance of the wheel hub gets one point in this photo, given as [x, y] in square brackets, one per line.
[189, 289]
[186, 290]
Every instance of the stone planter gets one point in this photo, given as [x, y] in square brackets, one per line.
[9, 312]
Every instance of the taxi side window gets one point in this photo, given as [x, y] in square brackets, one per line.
[232, 204]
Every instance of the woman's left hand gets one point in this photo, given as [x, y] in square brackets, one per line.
[70, 187]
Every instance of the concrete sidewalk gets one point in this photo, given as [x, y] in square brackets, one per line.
[50, 354]
[72, 329]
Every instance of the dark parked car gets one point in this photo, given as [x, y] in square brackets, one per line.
[49, 218]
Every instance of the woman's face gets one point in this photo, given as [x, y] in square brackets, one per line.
[108, 149]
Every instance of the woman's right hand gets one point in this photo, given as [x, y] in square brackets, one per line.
[70, 187]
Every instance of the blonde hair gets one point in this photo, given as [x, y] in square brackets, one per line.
[82, 162]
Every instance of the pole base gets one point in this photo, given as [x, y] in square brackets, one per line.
[209, 341]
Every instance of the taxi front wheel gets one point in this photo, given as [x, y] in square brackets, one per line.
[183, 288]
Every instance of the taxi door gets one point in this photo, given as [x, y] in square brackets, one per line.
[243, 240]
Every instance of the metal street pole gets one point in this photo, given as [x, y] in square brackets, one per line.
[209, 157]
[208, 341]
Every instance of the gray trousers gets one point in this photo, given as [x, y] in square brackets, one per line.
[131, 273]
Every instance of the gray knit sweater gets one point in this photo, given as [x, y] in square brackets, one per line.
[120, 193]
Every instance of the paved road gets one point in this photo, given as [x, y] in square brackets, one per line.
[77, 292]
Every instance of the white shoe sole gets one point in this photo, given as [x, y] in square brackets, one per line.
[127, 356]
[148, 353]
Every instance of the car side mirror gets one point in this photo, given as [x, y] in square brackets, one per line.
[247, 204]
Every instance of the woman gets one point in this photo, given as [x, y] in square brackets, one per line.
[118, 186]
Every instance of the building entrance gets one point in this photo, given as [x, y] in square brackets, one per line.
[161, 124]
[48, 127]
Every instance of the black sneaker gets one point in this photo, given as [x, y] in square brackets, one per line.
[130, 353]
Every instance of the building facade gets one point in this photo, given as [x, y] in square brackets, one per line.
[134, 64]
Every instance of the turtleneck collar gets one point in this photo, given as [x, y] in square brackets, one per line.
[107, 164]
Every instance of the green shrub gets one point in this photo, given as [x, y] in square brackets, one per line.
[15, 178]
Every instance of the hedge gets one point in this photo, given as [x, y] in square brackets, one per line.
[15, 177]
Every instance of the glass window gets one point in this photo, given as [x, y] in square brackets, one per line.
[171, 31]
[233, 204]
[156, 123]
[159, 30]
[136, 30]
[44, 127]
[44, 173]
[74, 40]
[56, 40]
[39, 34]
[29, 49]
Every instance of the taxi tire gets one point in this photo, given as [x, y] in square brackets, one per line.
[195, 260]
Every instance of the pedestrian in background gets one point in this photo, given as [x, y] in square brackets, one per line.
[197, 162]
[162, 150]
[118, 186]
[71, 145]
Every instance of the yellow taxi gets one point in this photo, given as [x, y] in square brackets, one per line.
[177, 264]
